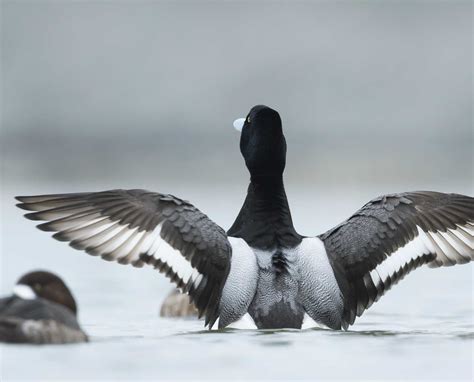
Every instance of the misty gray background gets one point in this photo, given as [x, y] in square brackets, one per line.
[375, 97]
[147, 91]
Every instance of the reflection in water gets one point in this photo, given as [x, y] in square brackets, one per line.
[447, 330]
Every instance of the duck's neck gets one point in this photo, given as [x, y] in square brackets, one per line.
[264, 220]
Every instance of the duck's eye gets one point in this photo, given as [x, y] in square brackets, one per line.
[38, 286]
[248, 119]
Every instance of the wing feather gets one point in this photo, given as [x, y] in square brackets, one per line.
[139, 227]
[391, 236]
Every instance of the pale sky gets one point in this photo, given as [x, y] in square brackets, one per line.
[82, 80]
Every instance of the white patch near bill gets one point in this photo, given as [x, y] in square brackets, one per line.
[239, 124]
[24, 291]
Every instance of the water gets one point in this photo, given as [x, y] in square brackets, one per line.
[422, 329]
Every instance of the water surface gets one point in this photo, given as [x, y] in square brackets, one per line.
[421, 329]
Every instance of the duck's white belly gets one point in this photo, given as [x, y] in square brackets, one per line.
[277, 288]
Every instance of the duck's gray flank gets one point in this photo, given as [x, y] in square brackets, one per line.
[241, 284]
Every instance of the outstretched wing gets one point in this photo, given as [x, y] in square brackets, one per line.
[140, 227]
[392, 235]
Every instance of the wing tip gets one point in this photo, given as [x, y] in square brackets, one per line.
[60, 236]
[27, 199]
[24, 206]
[45, 227]
[32, 216]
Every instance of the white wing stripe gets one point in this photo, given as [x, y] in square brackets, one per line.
[149, 240]
[124, 249]
[426, 241]
[156, 247]
[197, 280]
[469, 228]
[155, 241]
[383, 270]
[445, 248]
[441, 257]
[464, 232]
[64, 212]
[462, 237]
[377, 280]
[450, 247]
[142, 246]
[414, 249]
[406, 255]
[72, 222]
[461, 247]
[97, 239]
[87, 230]
[114, 241]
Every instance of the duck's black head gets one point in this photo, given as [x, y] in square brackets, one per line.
[264, 221]
[262, 142]
[48, 286]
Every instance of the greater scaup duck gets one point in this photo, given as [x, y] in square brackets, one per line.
[41, 310]
[262, 266]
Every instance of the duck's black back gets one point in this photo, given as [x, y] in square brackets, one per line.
[37, 309]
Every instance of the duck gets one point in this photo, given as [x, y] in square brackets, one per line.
[261, 267]
[41, 310]
[177, 304]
